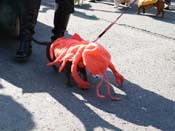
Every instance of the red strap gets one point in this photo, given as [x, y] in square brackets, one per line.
[112, 23]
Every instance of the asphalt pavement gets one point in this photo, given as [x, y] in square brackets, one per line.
[33, 97]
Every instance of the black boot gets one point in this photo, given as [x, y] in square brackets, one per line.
[24, 51]
[28, 18]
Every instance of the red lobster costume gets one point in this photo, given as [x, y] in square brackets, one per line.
[92, 56]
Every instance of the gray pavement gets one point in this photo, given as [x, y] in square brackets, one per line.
[35, 98]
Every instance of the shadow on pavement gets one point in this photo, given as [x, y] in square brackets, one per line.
[143, 107]
[85, 16]
[140, 106]
[13, 116]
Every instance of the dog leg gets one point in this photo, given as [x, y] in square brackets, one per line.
[116, 3]
[67, 71]
[81, 3]
[138, 10]
[128, 4]
[83, 73]
[143, 10]
[158, 13]
[162, 14]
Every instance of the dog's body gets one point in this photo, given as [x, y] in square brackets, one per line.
[159, 5]
[74, 55]
[123, 2]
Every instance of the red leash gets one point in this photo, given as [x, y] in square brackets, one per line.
[112, 23]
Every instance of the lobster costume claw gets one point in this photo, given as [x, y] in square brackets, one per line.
[92, 56]
[118, 77]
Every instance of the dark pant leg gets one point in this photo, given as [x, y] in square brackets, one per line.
[61, 17]
[28, 13]
[28, 10]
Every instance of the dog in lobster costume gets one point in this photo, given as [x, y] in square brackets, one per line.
[84, 54]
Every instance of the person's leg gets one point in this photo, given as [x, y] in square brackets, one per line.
[28, 13]
[61, 19]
